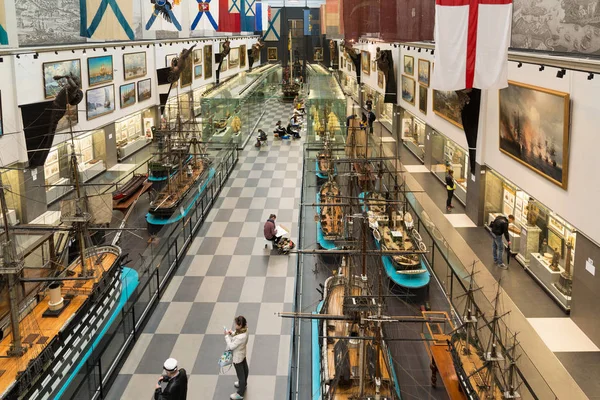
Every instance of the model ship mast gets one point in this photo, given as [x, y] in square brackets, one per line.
[12, 265]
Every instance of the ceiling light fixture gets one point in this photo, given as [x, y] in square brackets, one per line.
[519, 65]
[590, 76]
[541, 68]
[561, 73]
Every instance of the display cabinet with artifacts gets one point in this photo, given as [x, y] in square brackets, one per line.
[243, 95]
[133, 133]
[197, 96]
[55, 177]
[383, 111]
[325, 108]
[413, 134]
[91, 153]
[541, 241]
[447, 154]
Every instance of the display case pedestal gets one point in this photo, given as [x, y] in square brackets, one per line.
[540, 268]
[565, 284]
[530, 243]
[515, 240]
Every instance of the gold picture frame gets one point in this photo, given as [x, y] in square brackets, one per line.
[409, 65]
[243, 54]
[380, 79]
[541, 145]
[318, 54]
[365, 58]
[423, 93]
[271, 53]
[447, 106]
[424, 72]
[408, 89]
[134, 65]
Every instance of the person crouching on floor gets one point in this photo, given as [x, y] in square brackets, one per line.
[271, 229]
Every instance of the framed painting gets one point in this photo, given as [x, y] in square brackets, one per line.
[58, 68]
[185, 79]
[423, 99]
[134, 65]
[409, 65]
[380, 79]
[556, 242]
[234, 57]
[373, 65]
[424, 72]
[127, 94]
[243, 54]
[534, 129]
[271, 53]
[100, 70]
[197, 55]
[447, 106]
[556, 226]
[223, 66]
[365, 62]
[318, 54]
[197, 71]
[208, 62]
[144, 89]
[100, 101]
[408, 89]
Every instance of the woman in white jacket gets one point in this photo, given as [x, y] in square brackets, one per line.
[236, 342]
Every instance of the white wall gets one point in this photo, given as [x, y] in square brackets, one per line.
[27, 72]
[579, 203]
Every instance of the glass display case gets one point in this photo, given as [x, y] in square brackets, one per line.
[445, 155]
[197, 97]
[231, 110]
[541, 240]
[133, 133]
[325, 107]
[90, 149]
[349, 84]
[57, 172]
[413, 134]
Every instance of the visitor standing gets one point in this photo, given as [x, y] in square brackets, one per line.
[499, 228]
[450, 188]
[236, 343]
[173, 384]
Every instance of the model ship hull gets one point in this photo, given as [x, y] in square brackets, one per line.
[168, 201]
[131, 187]
[331, 222]
[290, 90]
[336, 363]
[159, 171]
[61, 340]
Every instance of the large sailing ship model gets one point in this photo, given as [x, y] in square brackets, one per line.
[52, 328]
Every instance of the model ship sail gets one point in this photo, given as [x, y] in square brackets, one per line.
[51, 330]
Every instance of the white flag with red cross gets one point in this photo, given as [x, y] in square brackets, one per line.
[471, 44]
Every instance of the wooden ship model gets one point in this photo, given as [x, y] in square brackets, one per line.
[331, 213]
[484, 365]
[51, 330]
[131, 187]
[354, 359]
[181, 181]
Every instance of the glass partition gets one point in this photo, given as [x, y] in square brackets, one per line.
[413, 134]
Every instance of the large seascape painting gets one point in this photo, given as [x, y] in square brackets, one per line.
[447, 106]
[52, 69]
[534, 129]
[557, 25]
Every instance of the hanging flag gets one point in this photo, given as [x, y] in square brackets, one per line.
[248, 15]
[323, 16]
[471, 44]
[205, 14]
[274, 27]
[259, 20]
[406, 20]
[332, 22]
[311, 22]
[162, 15]
[3, 33]
[104, 19]
[229, 15]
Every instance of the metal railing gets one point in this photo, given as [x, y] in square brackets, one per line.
[155, 268]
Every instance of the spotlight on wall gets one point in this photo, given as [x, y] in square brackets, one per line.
[541, 68]
[123, 48]
[590, 76]
[519, 65]
[36, 56]
[432, 52]
[419, 50]
[73, 51]
[561, 73]
[148, 46]
[83, 51]
[104, 48]
[56, 52]
[18, 56]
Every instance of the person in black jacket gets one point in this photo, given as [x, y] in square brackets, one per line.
[172, 385]
[450, 188]
[499, 227]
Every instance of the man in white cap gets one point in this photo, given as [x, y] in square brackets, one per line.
[173, 384]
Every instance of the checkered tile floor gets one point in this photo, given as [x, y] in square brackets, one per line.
[228, 272]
